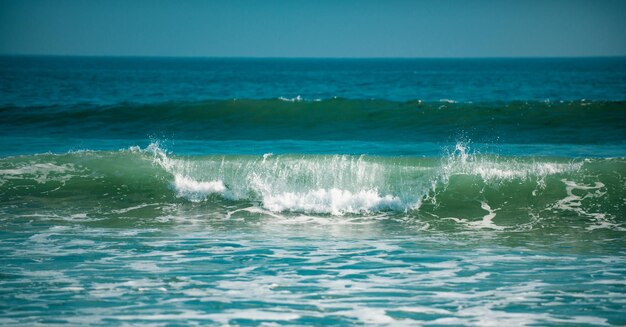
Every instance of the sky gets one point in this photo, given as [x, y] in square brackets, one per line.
[314, 28]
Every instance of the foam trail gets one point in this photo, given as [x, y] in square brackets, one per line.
[487, 221]
[573, 202]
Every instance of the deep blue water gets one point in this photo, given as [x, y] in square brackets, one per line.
[166, 191]
[28, 81]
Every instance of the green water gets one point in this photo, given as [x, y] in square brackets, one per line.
[269, 192]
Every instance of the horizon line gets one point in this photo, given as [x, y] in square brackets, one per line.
[302, 57]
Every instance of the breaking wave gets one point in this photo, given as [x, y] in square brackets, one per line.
[477, 191]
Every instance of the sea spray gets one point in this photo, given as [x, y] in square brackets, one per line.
[460, 184]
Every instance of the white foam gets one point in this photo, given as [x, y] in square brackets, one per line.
[338, 184]
[298, 98]
[146, 266]
[137, 207]
[222, 318]
[333, 201]
[134, 148]
[334, 185]
[424, 310]
[487, 221]
[369, 316]
[40, 172]
[252, 314]
[195, 190]
[253, 210]
[573, 202]
[184, 185]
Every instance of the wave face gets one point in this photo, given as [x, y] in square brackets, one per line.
[475, 191]
[577, 122]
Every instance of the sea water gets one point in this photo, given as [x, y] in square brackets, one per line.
[171, 191]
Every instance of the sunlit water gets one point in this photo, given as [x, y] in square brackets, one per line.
[312, 192]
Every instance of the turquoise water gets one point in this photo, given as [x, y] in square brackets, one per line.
[172, 191]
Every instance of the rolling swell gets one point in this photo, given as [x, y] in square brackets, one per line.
[475, 191]
[572, 122]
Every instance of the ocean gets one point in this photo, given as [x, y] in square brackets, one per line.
[387, 192]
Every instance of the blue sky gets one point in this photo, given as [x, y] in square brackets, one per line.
[314, 28]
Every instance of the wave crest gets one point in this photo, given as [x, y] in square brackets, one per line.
[462, 187]
[341, 184]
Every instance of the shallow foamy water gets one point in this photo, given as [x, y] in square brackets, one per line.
[300, 271]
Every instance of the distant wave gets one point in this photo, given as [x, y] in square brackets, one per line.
[574, 122]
